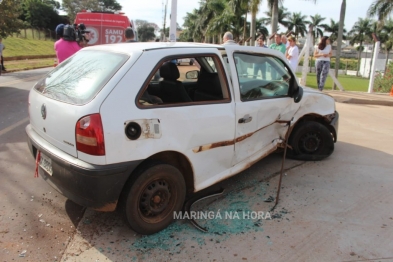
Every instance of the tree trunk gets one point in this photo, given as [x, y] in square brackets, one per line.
[252, 28]
[244, 29]
[359, 56]
[339, 38]
[274, 17]
[371, 61]
[387, 59]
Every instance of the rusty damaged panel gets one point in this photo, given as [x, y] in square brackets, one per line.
[231, 142]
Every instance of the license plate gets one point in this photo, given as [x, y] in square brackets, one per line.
[46, 163]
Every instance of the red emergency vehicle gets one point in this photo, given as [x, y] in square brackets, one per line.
[105, 27]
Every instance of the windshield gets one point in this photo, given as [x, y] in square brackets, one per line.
[78, 79]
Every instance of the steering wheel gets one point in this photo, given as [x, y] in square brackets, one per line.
[253, 93]
[278, 87]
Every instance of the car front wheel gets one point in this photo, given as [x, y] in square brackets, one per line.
[152, 198]
[310, 141]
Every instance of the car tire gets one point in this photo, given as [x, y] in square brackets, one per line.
[191, 63]
[150, 200]
[310, 141]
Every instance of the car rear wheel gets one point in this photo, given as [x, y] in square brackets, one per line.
[191, 62]
[310, 141]
[152, 198]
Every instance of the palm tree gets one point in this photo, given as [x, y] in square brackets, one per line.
[297, 23]
[386, 38]
[360, 32]
[260, 26]
[240, 8]
[332, 28]
[283, 14]
[274, 7]
[380, 8]
[316, 23]
[221, 18]
[254, 8]
[190, 25]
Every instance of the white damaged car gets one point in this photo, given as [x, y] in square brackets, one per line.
[106, 132]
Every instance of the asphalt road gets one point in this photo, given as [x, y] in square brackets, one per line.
[338, 209]
[33, 217]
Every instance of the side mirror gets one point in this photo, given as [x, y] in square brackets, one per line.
[192, 74]
[298, 95]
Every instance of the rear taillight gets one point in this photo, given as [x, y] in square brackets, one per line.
[90, 135]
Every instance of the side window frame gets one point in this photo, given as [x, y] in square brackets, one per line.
[220, 71]
[291, 85]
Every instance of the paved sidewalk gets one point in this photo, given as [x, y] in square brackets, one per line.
[351, 97]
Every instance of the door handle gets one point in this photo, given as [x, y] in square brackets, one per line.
[245, 119]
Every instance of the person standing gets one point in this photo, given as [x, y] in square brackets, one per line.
[64, 49]
[228, 39]
[322, 55]
[262, 66]
[292, 53]
[2, 47]
[284, 40]
[278, 45]
[260, 41]
[129, 35]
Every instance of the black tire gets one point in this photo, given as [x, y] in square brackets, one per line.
[164, 185]
[191, 62]
[310, 141]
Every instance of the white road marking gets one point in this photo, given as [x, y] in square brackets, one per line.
[11, 127]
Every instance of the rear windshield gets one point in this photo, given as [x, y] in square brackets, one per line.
[78, 79]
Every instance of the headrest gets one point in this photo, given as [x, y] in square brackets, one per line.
[209, 82]
[169, 71]
[59, 29]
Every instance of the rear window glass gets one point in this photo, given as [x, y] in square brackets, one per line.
[78, 79]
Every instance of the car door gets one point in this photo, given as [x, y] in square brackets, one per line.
[262, 85]
[202, 130]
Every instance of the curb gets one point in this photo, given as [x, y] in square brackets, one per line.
[367, 102]
[23, 69]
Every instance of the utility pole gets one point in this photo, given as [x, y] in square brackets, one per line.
[172, 30]
[164, 35]
[376, 51]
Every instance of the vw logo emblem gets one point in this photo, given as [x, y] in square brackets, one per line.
[43, 111]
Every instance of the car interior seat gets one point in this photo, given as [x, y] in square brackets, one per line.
[208, 87]
[171, 90]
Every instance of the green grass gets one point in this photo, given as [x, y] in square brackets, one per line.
[15, 46]
[350, 83]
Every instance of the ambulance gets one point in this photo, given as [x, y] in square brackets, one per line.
[105, 27]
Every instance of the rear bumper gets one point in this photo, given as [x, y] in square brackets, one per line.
[93, 186]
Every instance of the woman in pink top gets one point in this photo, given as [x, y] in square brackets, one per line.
[64, 49]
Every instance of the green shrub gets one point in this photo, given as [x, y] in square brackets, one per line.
[383, 82]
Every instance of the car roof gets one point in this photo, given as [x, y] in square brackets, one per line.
[146, 46]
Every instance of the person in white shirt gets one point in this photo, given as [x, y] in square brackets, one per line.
[292, 53]
[322, 55]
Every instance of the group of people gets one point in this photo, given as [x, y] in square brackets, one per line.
[64, 49]
[287, 46]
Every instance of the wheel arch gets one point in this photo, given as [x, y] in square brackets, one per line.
[173, 158]
[316, 118]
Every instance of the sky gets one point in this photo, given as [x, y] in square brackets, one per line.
[152, 10]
